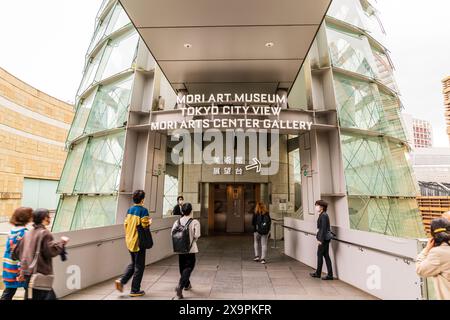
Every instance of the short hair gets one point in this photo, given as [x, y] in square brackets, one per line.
[21, 216]
[179, 197]
[187, 208]
[39, 215]
[323, 204]
[443, 235]
[138, 196]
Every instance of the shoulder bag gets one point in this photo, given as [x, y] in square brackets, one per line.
[38, 280]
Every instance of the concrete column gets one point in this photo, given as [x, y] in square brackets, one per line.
[283, 93]
[180, 94]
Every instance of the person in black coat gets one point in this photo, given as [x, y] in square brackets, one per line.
[178, 209]
[323, 236]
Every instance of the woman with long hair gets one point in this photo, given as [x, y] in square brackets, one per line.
[434, 260]
[261, 225]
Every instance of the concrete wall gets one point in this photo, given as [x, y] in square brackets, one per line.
[100, 254]
[379, 265]
[33, 129]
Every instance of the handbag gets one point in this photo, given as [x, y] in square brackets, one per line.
[38, 280]
[144, 237]
[330, 235]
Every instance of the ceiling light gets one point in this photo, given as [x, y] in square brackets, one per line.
[187, 45]
[269, 44]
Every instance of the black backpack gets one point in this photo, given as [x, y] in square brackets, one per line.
[180, 237]
[263, 223]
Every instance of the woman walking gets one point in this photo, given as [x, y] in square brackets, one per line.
[261, 224]
[36, 252]
[434, 260]
[20, 218]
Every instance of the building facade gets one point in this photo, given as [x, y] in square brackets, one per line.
[354, 154]
[419, 132]
[446, 91]
[33, 130]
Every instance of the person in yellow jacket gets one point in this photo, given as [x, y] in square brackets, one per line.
[136, 215]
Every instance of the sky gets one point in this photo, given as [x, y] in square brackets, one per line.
[44, 44]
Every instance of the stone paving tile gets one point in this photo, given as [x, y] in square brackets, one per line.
[225, 270]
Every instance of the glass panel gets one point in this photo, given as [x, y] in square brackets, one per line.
[118, 20]
[100, 170]
[170, 193]
[394, 217]
[393, 125]
[361, 105]
[119, 55]
[374, 167]
[94, 211]
[99, 32]
[351, 52]
[110, 106]
[372, 22]
[64, 214]
[90, 72]
[295, 176]
[172, 177]
[385, 72]
[71, 167]
[349, 11]
[81, 116]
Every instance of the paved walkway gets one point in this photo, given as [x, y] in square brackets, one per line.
[225, 270]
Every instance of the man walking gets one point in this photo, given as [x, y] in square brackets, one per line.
[186, 260]
[136, 215]
[323, 236]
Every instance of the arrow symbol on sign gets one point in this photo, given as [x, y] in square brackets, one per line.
[256, 164]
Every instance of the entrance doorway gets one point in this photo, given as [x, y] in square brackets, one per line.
[233, 207]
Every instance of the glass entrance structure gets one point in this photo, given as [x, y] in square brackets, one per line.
[355, 156]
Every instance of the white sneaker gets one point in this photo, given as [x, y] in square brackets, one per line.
[263, 261]
[256, 259]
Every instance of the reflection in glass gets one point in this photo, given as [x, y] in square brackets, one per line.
[389, 216]
[171, 180]
[101, 166]
[71, 167]
[81, 116]
[295, 176]
[351, 52]
[66, 208]
[119, 55]
[110, 106]
[362, 106]
[94, 211]
[375, 167]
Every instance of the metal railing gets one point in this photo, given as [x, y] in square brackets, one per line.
[102, 241]
[405, 258]
[428, 292]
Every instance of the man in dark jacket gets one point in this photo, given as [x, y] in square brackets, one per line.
[323, 237]
[178, 209]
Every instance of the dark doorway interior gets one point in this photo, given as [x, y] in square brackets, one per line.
[233, 207]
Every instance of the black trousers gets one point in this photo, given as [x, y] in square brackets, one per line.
[186, 264]
[323, 252]
[135, 269]
[43, 295]
[8, 293]
[39, 294]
